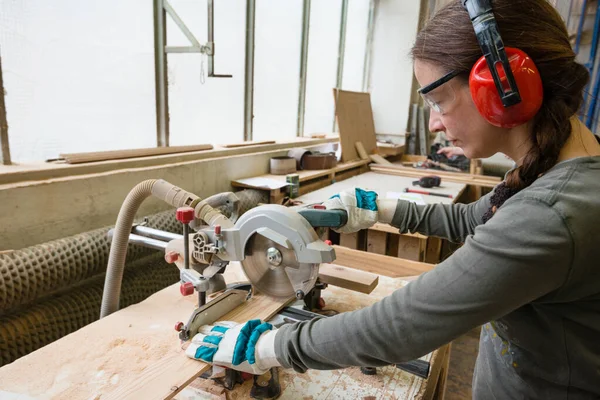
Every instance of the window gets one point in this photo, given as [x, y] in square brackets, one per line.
[79, 76]
[323, 44]
[276, 68]
[213, 111]
[357, 25]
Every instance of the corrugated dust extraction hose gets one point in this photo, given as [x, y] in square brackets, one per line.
[118, 249]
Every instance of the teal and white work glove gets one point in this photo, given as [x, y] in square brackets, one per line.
[361, 206]
[247, 347]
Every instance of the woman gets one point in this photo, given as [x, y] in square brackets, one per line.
[528, 270]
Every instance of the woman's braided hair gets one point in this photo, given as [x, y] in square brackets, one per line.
[534, 26]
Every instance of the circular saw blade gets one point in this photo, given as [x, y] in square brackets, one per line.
[281, 277]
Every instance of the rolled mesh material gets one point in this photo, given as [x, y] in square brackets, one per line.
[35, 271]
[30, 327]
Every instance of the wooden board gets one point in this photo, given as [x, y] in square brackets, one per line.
[379, 264]
[246, 144]
[348, 278]
[399, 170]
[389, 149]
[354, 240]
[360, 149]
[376, 241]
[355, 120]
[348, 383]
[434, 250]
[410, 247]
[132, 354]
[377, 159]
[77, 158]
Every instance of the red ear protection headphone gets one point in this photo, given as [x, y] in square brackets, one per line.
[505, 83]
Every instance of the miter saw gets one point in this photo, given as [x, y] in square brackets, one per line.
[278, 248]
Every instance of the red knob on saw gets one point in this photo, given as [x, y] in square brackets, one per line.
[171, 257]
[179, 326]
[186, 288]
[185, 215]
[217, 229]
[328, 242]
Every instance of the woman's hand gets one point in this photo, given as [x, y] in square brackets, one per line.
[361, 206]
[246, 347]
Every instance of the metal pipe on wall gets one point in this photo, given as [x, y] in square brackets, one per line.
[249, 70]
[369, 46]
[5, 154]
[160, 72]
[303, 67]
[341, 53]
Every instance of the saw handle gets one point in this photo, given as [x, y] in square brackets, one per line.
[318, 217]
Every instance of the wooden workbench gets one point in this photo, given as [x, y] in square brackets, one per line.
[350, 383]
[383, 238]
[135, 353]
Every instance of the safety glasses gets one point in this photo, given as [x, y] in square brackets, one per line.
[437, 97]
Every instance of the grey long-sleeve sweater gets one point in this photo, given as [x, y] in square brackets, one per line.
[530, 276]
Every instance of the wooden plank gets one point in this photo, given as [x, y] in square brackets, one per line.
[349, 173]
[440, 390]
[480, 180]
[434, 250]
[246, 144]
[413, 158]
[348, 278]
[447, 174]
[360, 149]
[78, 158]
[411, 248]
[377, 159]
[348, 383]
[379, 264]
[166, 378]
[353, 240]
[437, 363]
[355, 120]
[388, 149]
[132, 354]
[376, 241]
[311, 186]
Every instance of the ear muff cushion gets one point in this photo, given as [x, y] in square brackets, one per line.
[487, 100]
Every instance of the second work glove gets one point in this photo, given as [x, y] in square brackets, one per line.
[361, 206]
[236, 346]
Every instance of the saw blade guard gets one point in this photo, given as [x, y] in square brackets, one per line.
[280, 250]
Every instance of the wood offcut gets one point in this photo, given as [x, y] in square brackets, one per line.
[78, 158]
[379, 264]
